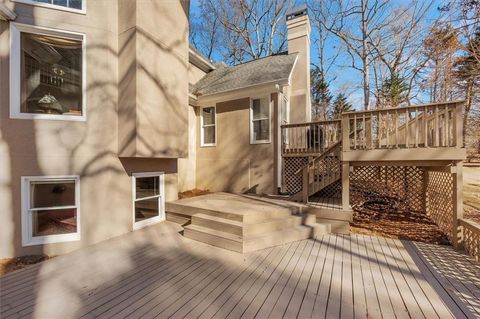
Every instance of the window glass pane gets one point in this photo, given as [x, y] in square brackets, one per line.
[209, 135]
[43, 1]
[52, 194]
[51, 75]
[62, 3]
[75, 4]
[146, 208]
[147, 186]
[261, 130]
[260, 109]
[208, 115]
[54, 222]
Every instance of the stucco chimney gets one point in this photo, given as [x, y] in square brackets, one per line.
[298, 36]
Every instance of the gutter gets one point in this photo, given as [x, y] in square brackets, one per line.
[6, 14]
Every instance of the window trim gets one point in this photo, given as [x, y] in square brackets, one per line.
[55, 6]
[202, 143]
[161, 204]
[15, 72]
[269, 101]
[27, 238]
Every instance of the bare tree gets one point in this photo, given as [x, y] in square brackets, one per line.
[397, 46]
[242, 30]
[354, 23]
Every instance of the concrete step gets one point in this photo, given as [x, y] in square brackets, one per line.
[337, 226]
[214, 237]
[177, 208]
[331, 214]
[278, 237]
[261, 213]
[178, 218]
[218, 223]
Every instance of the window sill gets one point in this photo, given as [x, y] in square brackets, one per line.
[53, 6]
[31, 116]
[260, 142]
[148, 222]
[52, 239]
[208, 145]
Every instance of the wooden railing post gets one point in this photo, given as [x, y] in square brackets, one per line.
[457, 171]
[345, 185]
[306, 182]
[345, 132]
[459, 125]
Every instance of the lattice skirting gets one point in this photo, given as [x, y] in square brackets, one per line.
[402, 182]
[293, 183]
[470, 237]
[439, 200]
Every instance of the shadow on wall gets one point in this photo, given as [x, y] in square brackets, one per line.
[88, 149]
[234, 165]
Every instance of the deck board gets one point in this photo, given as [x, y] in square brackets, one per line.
[347, 276]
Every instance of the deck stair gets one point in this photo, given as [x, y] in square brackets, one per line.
[321, 172]
[245, 223]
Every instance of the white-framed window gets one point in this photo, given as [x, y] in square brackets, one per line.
[50, 209]
[260, 120]
[148, 198]
[208, 124]
[47, 74]
[76, 6]
[285, 118]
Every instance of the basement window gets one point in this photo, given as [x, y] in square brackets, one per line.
[47, 74]
[148, 199]
[260, 120]
[208, 119]
[76, 6]
[50, 209]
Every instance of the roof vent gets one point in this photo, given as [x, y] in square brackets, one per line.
[297, 12]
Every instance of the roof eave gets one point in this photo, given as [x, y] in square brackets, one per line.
[199, 61]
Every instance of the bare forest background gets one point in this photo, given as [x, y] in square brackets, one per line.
[365, 53]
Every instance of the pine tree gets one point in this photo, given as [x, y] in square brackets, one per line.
[320, 94]
[394, 91]
[340, 105]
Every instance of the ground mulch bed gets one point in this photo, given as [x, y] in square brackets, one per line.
[12, 264]
[472, 214]
[193, 192]
[385, 214]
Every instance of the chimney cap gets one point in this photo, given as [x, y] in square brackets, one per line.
[297, 12]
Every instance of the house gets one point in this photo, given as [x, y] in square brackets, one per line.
[99, 129]
[106, 115]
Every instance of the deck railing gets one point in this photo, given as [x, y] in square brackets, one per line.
[421, 126]
[310, 137]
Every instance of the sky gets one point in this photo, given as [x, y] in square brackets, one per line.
[346, 79]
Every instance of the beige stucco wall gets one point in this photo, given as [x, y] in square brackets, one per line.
[90, 149]
[235, 165]
[154, 38]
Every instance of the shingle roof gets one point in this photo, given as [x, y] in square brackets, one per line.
[265, 70]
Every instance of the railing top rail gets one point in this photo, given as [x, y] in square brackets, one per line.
[310, 123]
[403, 108]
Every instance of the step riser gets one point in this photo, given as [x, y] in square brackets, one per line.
[257, 229]
[269, 241]
[217, 225]
[262, 216]
[214, 240]
[331, 214]
[189, 210]
[337, 227]
[178, 218]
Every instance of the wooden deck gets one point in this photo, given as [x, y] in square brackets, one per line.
[155, 272]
